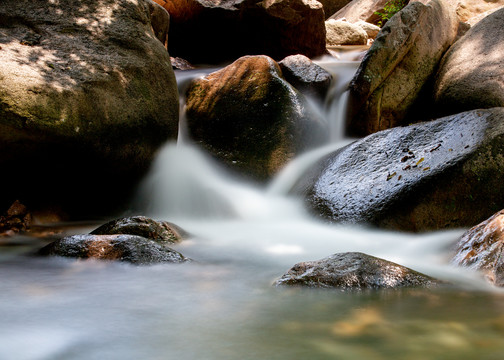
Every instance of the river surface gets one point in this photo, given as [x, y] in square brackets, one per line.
[223, 305]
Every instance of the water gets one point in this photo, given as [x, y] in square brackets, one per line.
[223, 305]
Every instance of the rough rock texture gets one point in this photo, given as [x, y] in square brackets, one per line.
[306, 76]
[332, 6]
[481, 248]
[370, 29]
[354, 271]
[439, 174]
[471, 75]
[398, 66]
[127, 248]
[361, 10]
[469, 10]
[162, 232]
[160, 21]
[344, 33]
[16, 219]
[248, 116]
[87, 95]
[204, 31]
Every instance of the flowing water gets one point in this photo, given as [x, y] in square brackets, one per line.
[223, 305]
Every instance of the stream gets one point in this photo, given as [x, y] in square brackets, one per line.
[223, 305]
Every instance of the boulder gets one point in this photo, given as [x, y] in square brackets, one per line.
[162, 232]
[399, 65]
[87, 96]
[332, 6]
[344, 33]
[472, 11]
[361, 10]
[354, 271]
[160, 21]
[370, 29]
[203, 31]
[446, 173]
[250, 118]
[16, 219]
[306, 76]
[126, 248]
[481, 247]
[471, 75]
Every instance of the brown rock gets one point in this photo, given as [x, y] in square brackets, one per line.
[481, 248]
[471, 75]
[248, 116]
[162, 232]
[354, 271]
[87, 88]
[398, 66]
[472, 11]
[204, 31]
[361, 10]
[344, 33]
[332, 6]
[160, 21]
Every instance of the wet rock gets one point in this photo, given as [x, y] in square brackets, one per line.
[87, 104]
[160, 231]
[127, 248]
[471, 75]
[399, 65]
[250, 118]
[16, 219]
[445, 173]
[344, 33]
[215, 32]
[306, 76]
[181, 64]
[354, 271]
[481, 248]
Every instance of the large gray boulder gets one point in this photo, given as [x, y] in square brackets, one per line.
[87, 96]
[354, 271]
[203, 31]
[445, 173]
[398, 66]
[250, 118]
[471, 75]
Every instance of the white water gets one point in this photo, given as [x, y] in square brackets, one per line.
[222, 306]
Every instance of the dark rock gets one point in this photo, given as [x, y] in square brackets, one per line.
[306, 76]
[354, 271]
[250, 118]
[441, 174]
[471, 75]
[160, 231]
[160, 21]
[127, 248]
[85, 107]
[16, 219]
[205, 31]
[332, 6]
[181, 64]
[399, 65]
[481, 248]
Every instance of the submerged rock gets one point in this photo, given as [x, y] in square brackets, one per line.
[398, 66]
[160, 231]
[440, 174]
[87, 96]
[127, 248]
[481, 248]
[344, 33]
[249, 117]
[205, 31]
[306, 76]
[354, 271]
[471, 75]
